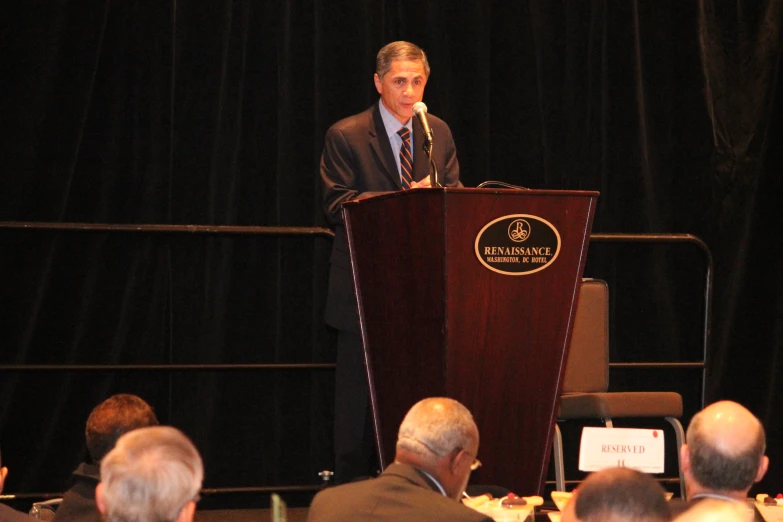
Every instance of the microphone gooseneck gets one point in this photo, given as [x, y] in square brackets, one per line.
[420, 111]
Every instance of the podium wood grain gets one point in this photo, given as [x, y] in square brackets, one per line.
[436, 322]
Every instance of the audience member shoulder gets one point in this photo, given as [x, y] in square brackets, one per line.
[8, 514]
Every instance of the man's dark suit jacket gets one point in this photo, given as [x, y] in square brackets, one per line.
[358, 159]
[7, 514]
[399, 493]
[79, 502]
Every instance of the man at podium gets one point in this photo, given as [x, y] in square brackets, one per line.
[378, 150]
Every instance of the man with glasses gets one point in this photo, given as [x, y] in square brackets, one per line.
[152, 475]
[436, 450]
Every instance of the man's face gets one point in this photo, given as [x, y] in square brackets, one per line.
[401, 87]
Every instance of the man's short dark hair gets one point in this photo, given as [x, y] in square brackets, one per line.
[113, 418]
[400, 51]
[717, 471]
[621, 494]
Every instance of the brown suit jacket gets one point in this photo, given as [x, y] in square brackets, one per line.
[78, 503]
[399, 493]
[7, 514]
[358, 159]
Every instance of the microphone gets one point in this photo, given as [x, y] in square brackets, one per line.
[420, 110]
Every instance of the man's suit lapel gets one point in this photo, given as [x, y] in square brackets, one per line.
[421, 162]
[381, 146]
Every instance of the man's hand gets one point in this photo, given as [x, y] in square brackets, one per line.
[425, 183]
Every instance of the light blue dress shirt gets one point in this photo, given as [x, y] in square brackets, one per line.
[392, 125]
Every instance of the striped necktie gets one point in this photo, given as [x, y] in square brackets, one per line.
[406, 159]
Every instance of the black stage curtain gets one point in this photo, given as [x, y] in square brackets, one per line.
[214, 112]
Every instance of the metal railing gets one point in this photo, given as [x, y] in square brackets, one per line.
[181, 230]
[708, 282]
[312, 232]
[223, 230]
[188, 230]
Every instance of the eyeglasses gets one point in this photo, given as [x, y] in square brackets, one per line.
[476, 462]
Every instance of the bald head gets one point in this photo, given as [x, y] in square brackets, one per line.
[435, 426]
[725, 449]
[618, 495]
[439, 436]
[727, 427]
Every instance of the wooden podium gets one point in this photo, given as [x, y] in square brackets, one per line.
[470, 294]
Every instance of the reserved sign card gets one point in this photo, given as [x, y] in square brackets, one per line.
[621, 447]
[279, 509]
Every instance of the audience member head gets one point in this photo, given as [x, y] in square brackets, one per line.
[438, 435]
[400, 51]
[724, 451]
[715, 510]
[152, 475]
[618, 495]
[3, 474]
[113, 418]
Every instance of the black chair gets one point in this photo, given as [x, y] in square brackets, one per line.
[586, 380]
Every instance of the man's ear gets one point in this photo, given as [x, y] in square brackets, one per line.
[458, 461]
[187, 512]
[100, 499]
[378, 83]
[3, 475]
[763, 465]
[685, 458]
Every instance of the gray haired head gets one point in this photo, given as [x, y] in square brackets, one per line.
[435, 427]
[150, 476]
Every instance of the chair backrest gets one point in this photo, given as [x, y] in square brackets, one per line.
[587, 369]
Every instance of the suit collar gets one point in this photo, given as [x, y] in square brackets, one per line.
[87, 470]
[413, 475]
[379, 142]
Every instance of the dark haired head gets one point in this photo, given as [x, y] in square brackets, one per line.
[621, 495]
[114, 417]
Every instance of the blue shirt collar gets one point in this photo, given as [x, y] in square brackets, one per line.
[435, 481]
[391, 123]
